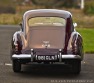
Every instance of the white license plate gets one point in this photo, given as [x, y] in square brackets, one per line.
[46, 57]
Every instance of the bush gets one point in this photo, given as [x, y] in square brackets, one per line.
[89, 8]
[54, 3]
[8, 9]
[13, 19]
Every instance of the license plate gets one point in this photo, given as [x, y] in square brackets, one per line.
[47, 58]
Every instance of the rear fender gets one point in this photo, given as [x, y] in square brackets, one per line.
[73, 39]
[17, 41]
[75, 44]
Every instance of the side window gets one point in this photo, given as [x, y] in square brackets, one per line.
[72, 27]
[22, 26]
[69, 25]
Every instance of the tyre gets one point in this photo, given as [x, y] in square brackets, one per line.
[16, 66]
[76, 66]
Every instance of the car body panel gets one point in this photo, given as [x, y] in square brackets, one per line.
[46, 37]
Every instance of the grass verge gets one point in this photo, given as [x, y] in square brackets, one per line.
[88, 39]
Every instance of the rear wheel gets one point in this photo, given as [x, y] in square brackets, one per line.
[16, 66]
[76, 66]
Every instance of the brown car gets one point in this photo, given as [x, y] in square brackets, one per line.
[47, 36]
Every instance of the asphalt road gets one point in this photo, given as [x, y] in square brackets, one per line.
[39, 73]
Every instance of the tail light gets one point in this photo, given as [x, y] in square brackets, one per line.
[16, 47]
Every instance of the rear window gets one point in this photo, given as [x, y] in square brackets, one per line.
[47, 21]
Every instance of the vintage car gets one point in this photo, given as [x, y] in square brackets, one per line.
[47, 36]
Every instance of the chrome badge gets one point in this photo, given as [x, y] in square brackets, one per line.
[45, 44]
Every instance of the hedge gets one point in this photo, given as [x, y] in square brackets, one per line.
[89, 8]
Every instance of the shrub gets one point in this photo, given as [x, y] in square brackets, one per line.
[7, 9]
[89, 8]
[17, 19]
[54, 3]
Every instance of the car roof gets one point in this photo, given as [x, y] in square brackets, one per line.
[47, 12]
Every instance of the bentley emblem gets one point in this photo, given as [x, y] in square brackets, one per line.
[46, 44]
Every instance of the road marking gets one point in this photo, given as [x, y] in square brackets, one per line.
[8, 64]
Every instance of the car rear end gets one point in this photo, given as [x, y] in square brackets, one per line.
[45, 42]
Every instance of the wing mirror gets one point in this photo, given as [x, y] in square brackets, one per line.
[75, 24]
[21, 26]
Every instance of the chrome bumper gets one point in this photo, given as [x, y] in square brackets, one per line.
[21, 56]
[28, 56]
[71, 57]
